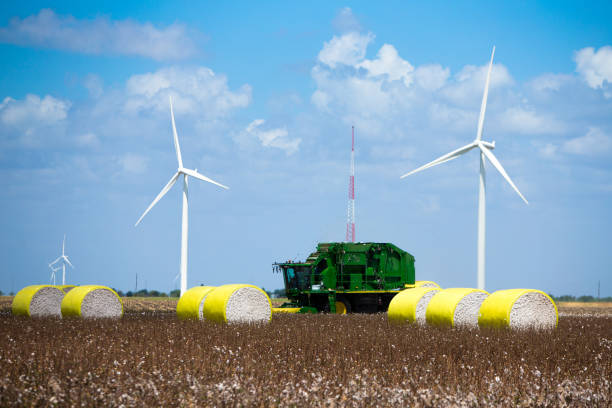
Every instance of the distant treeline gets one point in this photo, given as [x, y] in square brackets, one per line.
[277, 293]
[148, 293]
[584, 298]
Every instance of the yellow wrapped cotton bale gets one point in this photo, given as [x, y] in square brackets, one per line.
[191, 304]
[92, 301]
[38, 301]
[519, 309]
[238, 303]
[66, 288]
[426, 284]
[456, 307]
[410, 305]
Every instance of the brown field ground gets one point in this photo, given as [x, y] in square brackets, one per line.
[149, 358]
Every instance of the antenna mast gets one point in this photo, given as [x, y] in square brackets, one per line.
[350, 222]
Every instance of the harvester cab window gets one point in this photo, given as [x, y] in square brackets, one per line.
[298, 277]
[290, 277]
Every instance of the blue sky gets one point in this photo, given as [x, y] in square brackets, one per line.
[265, 96]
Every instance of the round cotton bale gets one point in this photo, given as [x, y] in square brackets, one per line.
[191, 304]
[410, 305]
[456, 307]
[519, 309]
[92, 301]
[38, 301]
[426, 284]
[66, 288]
[238, 303]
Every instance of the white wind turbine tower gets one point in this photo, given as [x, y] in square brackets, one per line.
[485, 151]
[53, 270]
[185, 173]
[63, 258]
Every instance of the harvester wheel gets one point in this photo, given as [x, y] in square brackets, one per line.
[343, 306]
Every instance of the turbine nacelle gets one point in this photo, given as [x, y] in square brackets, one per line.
[490, 145]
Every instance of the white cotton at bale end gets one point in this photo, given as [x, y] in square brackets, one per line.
[533, 310]
[466, 311]
[101, 303]
[248, 305]
[47, 302]
[421, 307]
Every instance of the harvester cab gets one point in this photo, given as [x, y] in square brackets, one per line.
[344, 277]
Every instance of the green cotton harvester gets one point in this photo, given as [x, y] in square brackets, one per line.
[344, 277]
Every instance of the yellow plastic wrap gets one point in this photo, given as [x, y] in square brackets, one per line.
[496, 309]
[71, 305]
[23, 298]
[66, 288]
[286, 309]
[428, 284]
[215, 305]
[188, 306]
[403, 306]
[441, 308]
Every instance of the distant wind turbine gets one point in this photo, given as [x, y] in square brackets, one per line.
[63, 258]
[53, 270]
[485, 151]
[182, 171]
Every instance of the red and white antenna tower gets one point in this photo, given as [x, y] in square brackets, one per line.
[350, 222]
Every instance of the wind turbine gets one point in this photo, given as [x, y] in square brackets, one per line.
[485, 151]
[182, 171]
[53, 270]
[63, 258]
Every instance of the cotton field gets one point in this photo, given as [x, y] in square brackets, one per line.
[151, 358]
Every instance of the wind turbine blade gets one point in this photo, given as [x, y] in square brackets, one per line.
[54, 262]
[159, 196]
[442, 159]
[483, 106]
[68, 261]
[177, 148]
[500, 168]
[202, 177]
[64, 244]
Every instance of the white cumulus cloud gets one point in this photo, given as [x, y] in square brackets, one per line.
[34, 120]
[550, 82]
[348, 49]
[595, 66]
[528, 121]
[99, 36]
[431, 77]
[194, 90]
[388, 91]
[278, 137]
[33, 110]
[468, 84]
[390, 64]
[594, 143]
